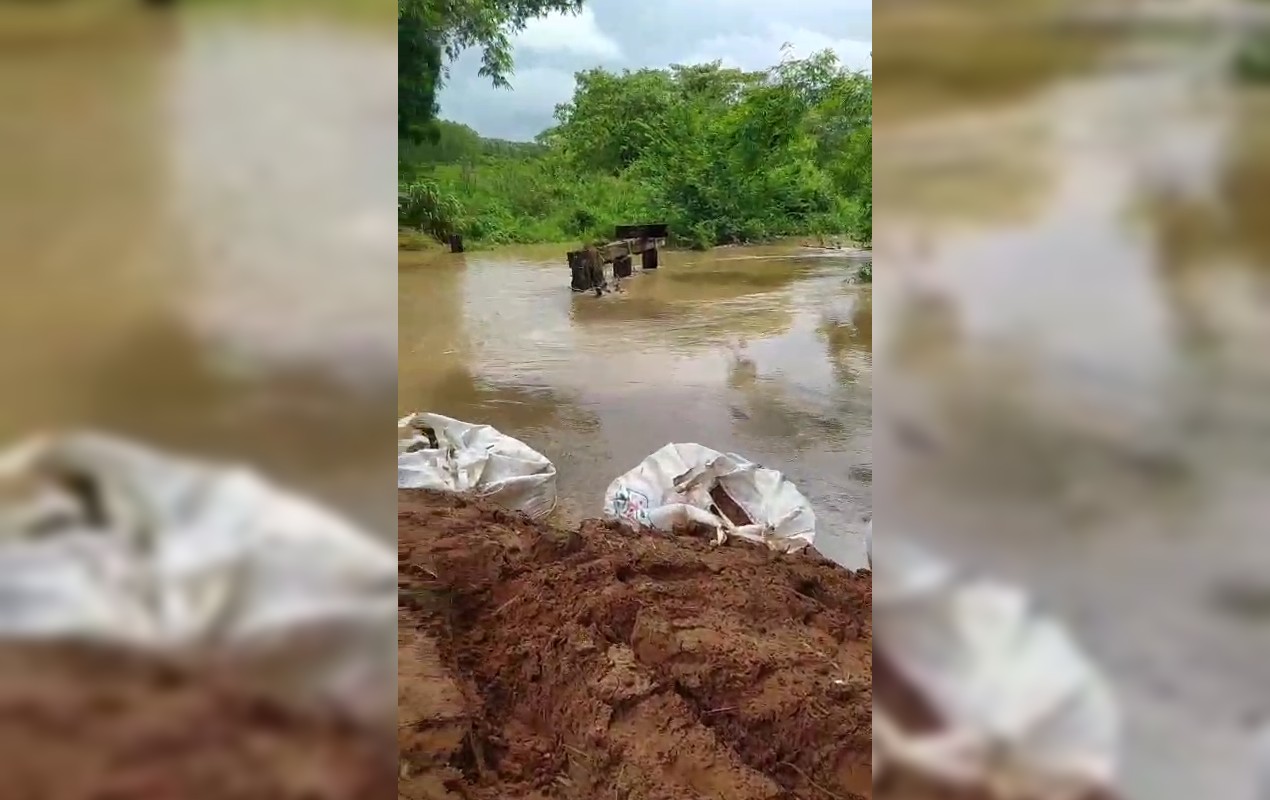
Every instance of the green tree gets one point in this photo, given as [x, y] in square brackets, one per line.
[732, 155]
[419, 50]
[430, 30]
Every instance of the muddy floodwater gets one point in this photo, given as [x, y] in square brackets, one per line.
[196, 246]
[1073, 300]
[762, 351]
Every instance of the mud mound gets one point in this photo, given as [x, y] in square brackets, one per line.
[88, 723]
[602, 664]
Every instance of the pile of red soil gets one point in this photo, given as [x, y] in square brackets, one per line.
[601, 663]
[90, 723]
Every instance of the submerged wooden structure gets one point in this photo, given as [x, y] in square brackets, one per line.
[587, 265]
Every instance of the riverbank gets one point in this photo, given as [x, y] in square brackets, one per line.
[413, 241]
[506, 201]
[416, 241]
[650, 665]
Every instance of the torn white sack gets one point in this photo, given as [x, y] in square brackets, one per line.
[1025, 713]
[673, 486]
[453, 456]
[108, 541]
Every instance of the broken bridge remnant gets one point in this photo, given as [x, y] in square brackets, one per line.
[587, 265]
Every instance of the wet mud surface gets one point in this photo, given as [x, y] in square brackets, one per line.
[95, 723]
[598, 663]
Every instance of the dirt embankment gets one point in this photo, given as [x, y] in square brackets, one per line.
[598, 664]
[95, 723]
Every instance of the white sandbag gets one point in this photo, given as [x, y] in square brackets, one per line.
[107, 541]
[1026, 714]
[476, 459]
[672, 486]
[1261, 764]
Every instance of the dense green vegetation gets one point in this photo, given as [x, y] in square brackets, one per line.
[451, 143]
[720, 154]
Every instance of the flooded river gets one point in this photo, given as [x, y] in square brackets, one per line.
[1074, 294]
[196, 240]
[762, 351]
[1074, 309]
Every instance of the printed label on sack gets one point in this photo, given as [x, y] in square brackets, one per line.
[632, 504]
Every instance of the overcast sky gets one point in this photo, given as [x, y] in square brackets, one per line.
[620, 34]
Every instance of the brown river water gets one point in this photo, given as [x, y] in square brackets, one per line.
[1073, 293]
[762, 351]
[196, 245]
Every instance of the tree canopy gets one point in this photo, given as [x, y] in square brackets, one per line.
[431, 31]
[731, 154]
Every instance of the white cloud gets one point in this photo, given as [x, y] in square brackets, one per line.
[567, 33]
[760, 50]
[619, 34]
[518, 113]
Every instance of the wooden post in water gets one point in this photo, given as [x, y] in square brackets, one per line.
[580, 275]
[650, 258]
[456, 243]
[595, 269]
[622, 267]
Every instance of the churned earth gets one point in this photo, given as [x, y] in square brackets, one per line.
[81, 722]
[602, 663]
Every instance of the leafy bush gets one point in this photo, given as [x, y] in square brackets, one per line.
[424, 206]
